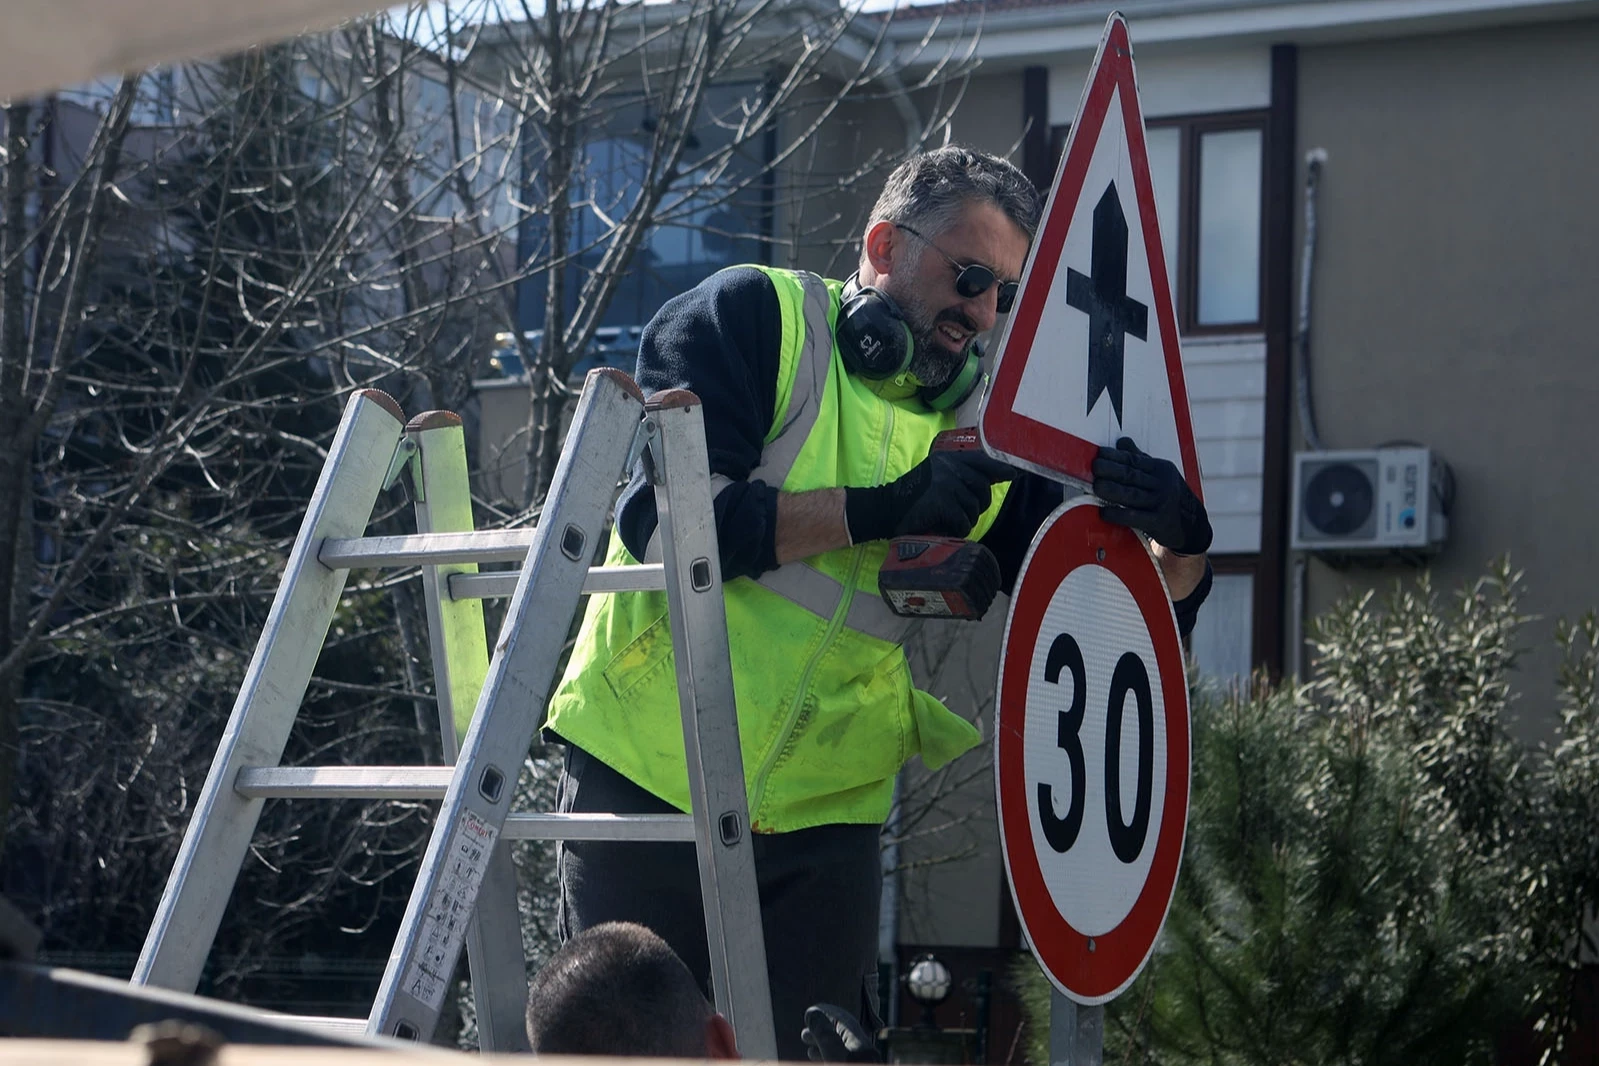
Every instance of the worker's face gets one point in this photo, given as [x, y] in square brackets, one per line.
[943, 322]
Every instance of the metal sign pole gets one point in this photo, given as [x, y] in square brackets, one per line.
[1076, 1033]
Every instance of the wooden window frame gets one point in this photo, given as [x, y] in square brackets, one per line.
[1192, 128]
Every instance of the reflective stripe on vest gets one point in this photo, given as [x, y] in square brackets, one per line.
[802, 584]
[827, 709]
[798, 581]
[809, 382]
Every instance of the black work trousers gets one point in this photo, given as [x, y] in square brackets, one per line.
[820, 890]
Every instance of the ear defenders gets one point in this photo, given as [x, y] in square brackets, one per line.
[873, 336]
[875, 342]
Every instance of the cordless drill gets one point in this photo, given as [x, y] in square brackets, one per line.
[940, 577]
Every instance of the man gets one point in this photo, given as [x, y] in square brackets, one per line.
[618, 989]
[821, 399]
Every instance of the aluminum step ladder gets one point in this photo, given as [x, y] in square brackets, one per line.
[465, 893]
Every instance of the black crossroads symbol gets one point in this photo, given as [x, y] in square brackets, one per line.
[1103, 297]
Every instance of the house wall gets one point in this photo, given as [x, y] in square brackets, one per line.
[1174, 82]
[951, 881]
[986, 116]
[819, 209]
[1454, 293]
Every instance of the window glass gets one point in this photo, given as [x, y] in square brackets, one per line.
[1229, 227]
[1223, 636]
[1165, 169]
[711, 219]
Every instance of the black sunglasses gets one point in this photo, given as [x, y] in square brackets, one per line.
[971, 279]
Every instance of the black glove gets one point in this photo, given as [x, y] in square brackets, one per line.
[942, 496]
[1151, 496]
[832, 1034]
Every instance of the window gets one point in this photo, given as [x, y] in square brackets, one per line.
[1227, 281]
[1165, 146]
[714, 217]
[154, 101]
[1208, 174]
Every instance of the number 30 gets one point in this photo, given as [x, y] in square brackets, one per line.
[1126, 838]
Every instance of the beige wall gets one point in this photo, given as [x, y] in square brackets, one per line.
[830, 180]
[951, 863]
[988, 115]
[1455, 289]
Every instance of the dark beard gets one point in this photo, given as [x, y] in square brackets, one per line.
[934, 365]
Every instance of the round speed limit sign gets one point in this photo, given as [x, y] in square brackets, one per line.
[1091, 752]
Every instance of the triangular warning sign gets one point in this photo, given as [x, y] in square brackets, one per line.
[1091, 352]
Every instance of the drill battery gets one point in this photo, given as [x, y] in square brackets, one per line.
[938, 577]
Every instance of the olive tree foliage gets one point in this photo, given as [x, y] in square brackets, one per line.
[199, 265]
[1375, 870]
[196, 269]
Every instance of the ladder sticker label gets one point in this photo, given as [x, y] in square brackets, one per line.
[449, 909]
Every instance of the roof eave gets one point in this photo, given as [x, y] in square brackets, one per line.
[1070, 27]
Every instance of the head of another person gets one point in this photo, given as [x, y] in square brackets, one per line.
[618, 989]
[940, 212]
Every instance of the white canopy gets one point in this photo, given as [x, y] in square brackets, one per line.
[48, 44]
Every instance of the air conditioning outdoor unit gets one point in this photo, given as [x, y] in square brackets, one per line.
[1375, 500]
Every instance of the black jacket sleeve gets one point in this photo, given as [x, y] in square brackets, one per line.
[722, 341]
[1030, 500]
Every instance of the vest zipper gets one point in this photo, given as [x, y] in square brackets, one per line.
[758, 793]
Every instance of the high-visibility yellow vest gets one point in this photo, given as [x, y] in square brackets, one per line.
[827, 712]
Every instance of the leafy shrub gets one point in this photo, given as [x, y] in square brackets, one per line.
[1375, 871]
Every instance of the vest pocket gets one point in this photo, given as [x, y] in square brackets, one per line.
[641, 659]
[859, 729]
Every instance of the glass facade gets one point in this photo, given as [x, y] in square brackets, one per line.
[714, 215]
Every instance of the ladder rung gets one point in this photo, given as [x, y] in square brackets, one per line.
[322, 1023]
[343, 782]
[648, 577]
[431, 782]
[487, 546]
[656, 827]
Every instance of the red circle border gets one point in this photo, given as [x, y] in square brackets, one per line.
[1070, 538]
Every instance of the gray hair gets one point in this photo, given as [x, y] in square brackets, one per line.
[929, 190]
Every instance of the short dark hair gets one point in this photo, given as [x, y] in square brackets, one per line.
[617, 989]
[931, 188]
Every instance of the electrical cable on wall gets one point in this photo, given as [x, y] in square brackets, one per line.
[1314, 160]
